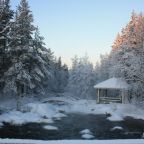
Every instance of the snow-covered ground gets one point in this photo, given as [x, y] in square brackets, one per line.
[33, 112]
[117, 111]
[133, 141]
[56, 108]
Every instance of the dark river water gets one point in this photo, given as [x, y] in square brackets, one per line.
[70, 127]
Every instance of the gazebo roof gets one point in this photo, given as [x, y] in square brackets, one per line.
[112, 83]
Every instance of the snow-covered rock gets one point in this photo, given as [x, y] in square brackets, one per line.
[49, 127]
[59, 115]
[116, 128]
[34, 112]
[85, 131]
[46, 110]
[115, 117]
[18, 118]
[87, 136]
[50, 121]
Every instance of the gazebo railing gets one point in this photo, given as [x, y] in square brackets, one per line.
[110, 99]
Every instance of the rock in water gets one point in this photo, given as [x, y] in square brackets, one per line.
[87, 136]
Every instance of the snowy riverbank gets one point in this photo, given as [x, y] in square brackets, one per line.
[56, 108]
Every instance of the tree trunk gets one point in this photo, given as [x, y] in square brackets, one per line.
[18, 102]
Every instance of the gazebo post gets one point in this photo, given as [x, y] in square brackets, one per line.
[106, 92]
[122, 96]
[98, 94]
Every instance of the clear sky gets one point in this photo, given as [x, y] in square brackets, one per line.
[74, 27]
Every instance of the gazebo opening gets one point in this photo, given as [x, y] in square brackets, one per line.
[112, 90]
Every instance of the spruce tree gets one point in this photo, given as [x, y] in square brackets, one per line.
[6, 15]
[61, 75]
[18, 77]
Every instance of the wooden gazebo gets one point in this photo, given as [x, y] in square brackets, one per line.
[112, 90]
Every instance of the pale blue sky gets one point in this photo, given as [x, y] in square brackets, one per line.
[77, 26]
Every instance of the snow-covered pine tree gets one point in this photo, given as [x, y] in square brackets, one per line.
[6, 15]
[17, 78]
[128, 56]
[72, 81]
[64, 76]
[115, 56]
[25, 74]
[81, 79]
[27, 66]
[38, 41]
[61, 75]
[48, 67]
[102, 70]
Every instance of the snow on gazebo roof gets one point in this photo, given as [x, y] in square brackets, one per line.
[112, 83]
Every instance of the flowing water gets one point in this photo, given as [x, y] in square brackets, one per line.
[70, 127]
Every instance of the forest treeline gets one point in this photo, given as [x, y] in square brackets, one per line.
[126, 60]
[28, 67]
